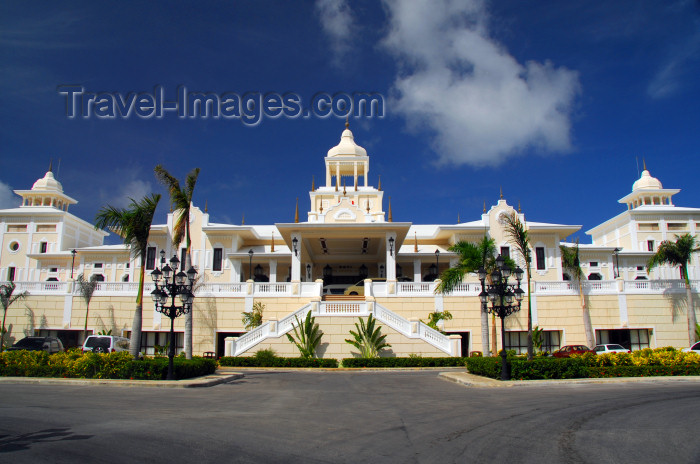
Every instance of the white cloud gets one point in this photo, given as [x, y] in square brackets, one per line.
[337, 22]
[457, 83]
[135, 189]
[669, 78]
[7, 197]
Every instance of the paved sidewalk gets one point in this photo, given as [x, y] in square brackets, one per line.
[471, 380]
[219, 377]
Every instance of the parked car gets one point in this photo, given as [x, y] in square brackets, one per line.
[359, 287]
[695, 348]
[610, 348]
[567, 350]
[334, 289]
[105, 344]
[49, 344]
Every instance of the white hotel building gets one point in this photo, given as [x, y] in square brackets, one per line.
[348, 236]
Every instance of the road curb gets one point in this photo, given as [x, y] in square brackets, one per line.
[471, 380]
[199, 382]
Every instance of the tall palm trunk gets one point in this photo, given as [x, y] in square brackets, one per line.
[590, 340]
[692, 320]
[485, 332]
[494, 335]
[137, 323]
[189, 315]
[530, 350]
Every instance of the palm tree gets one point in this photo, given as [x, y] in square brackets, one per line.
[571, 263]
[679, 253]
[6, 299]
[86, 288]
[133, 225]
[181, 201]
[515, 230]
[471, 257]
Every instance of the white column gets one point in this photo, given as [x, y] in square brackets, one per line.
[328, 175]
[354, 165]
[296, 259]
[391, 257]
[273, 270]
[416, 270]
[366, 167]
[235, 270]
[337, 175]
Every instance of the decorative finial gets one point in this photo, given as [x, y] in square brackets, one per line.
[206, 206]
[345, 192]
[296, 213]
[368, 206]
[484, 206]
[272, 243]
[519, 207]
[243, 219]
[313, 183]
[458, 219]
[391, 218]
[379, 187]
[501, 192]
[347, 121]
[51, 165]
[415, 242]
[320, 208]
[644, 162]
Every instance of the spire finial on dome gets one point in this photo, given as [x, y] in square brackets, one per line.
[206, 208]
[243, 219]
[519, 207]
[391, 217]
[347, 121]
[296, 213]
[644, 163]
[484, 206]
[313, 183]
[379, 187]
[458, 220]
[51, 165]
[501, 192]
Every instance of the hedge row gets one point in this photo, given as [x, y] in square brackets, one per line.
[276, 361]
[414, 361]
[641, 363]
[74, 364]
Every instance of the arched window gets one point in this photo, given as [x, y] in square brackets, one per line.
[98, 277]
[595, 276]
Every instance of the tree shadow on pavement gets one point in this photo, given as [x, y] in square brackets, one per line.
[10, 443]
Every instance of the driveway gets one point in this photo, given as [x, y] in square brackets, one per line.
[351, 417]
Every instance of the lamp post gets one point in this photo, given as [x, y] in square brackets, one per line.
[250, 263]
[391, 246]
[173, 285]
[616, 270]
[72, 264]
[437, 262]
[505, 300]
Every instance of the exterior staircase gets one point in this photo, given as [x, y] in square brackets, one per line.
[414, 329]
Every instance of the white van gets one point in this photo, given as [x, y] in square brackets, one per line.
[105, 344]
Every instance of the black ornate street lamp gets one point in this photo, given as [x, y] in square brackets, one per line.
[616, 270]
[437, 261]
[505, 300]
[250, 263]
[72, 264]
[172, 285]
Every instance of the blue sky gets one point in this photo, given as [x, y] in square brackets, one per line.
[555, 102]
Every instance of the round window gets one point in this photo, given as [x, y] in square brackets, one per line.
[14, 246]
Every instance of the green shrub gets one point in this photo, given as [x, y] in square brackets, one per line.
[486, 366]
[73, 364]
[276, 361]
[411, 361]
[548, 368]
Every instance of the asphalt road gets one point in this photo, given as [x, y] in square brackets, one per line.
[311, 417]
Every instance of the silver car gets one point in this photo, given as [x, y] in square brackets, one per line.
[693, 349]
[610, 348]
